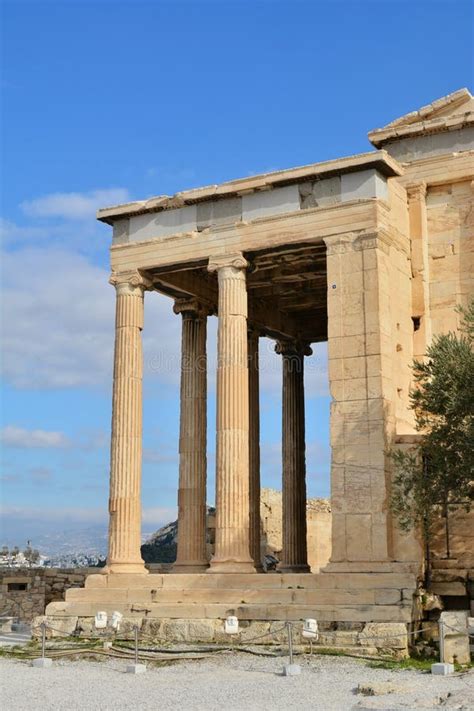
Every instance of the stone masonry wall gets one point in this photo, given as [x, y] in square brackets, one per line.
[318, 521]
[461, 528]
[25, 592]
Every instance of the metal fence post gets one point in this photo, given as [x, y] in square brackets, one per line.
[43, 639]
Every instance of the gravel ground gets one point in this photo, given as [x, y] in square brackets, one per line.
[233, 681]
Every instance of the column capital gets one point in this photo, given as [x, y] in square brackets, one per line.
[133, 282]
[359, 241]
[293, 347]
[235, 261]
[335, 244]
[191, 308]
[416, 191]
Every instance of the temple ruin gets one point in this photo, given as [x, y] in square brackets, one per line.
[370, 253]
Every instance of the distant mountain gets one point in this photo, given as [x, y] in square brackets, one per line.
[91, 540]
[53, 541]
[161, 546]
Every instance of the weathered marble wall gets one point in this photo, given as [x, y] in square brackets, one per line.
[25, 592]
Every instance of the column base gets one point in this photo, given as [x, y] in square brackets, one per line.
[127, 568]
[284, 568]
[231, 566]
[190, 567]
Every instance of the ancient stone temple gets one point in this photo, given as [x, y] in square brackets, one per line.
[370, 253]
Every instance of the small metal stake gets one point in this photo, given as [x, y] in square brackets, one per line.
[291, 669]
[42, 662]
[290, 641]
[136, 668]
[135, 630]
[43, 639]
[441, 640]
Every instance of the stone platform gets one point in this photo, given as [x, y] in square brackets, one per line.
[367, 597]
[192, 607]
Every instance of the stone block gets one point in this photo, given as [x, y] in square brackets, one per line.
[338, 638]
[201, 630]
[321, 193]
[378, 688]
[163, 224]
[291, 670]
[95, 581]
[455, 643]
[127, 627]
[384, 635]
[42, 663]
[152, 629]
[453, 588]
[270, 202]
[135, 668]
[442, 669]
[387, 597]
[358, 535]
[55, 627]
[219, 212]
[258, 631]
[176, 630]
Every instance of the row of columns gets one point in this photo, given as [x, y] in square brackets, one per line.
[237, 536]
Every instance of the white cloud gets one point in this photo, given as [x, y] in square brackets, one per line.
[72, 515]
[74, 206]
[11, 233]
[58, 323]
[12, 436]
[91, 238]
[158, 516]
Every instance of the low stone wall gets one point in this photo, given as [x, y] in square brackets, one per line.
[358, 638]
[22, 593]
[318, 523]
[25, 592]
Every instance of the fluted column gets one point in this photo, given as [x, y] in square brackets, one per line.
[232, 552]
[191, 555]
[254, 447]
[294, 550]
[126, 444]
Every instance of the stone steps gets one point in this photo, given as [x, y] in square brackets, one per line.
[253, 611]
[253, 581]
[233, 596]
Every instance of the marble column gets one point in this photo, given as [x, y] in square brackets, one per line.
[294, 549]
[126, 444]
[254, 447]
[191, 555]
[232, 548]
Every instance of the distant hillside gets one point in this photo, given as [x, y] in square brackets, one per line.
[161, 546]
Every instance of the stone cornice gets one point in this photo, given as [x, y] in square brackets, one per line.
[448, 112]
[379, 160]
[356, 241]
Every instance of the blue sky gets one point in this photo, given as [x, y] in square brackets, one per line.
[105, 102]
